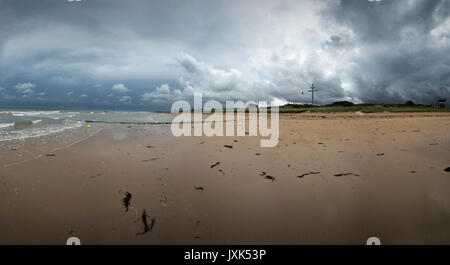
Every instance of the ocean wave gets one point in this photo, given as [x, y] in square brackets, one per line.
[15, 115]
[6, 125]
[38, 132]
[36, 121]
[34, 113]
[22, 123]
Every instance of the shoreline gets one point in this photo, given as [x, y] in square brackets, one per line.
[54, 149]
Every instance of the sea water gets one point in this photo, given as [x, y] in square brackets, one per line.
[22, 124]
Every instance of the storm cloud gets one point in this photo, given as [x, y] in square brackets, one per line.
[146, 54]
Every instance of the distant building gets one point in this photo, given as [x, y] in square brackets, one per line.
[441, 103]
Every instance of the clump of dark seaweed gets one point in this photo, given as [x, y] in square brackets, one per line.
[309, 173]
[126, 200]
[270, 178]
[147, 227]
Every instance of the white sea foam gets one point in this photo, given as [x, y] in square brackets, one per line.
[34, 113]
[6, 125]
[36, 121]
[38, 132]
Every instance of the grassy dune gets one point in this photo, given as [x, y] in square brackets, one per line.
[367, 108]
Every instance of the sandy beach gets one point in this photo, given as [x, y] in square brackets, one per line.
[332, 179]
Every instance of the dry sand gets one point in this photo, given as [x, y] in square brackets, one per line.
[398, 189]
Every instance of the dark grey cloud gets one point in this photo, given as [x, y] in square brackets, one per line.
[146, 54]
[403, 48]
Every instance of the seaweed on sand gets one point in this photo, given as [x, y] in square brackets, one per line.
[126, 200]
[147, 227]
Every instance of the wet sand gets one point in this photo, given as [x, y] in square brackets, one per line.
[332, 179]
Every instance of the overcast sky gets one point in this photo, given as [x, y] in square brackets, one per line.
[138, 54]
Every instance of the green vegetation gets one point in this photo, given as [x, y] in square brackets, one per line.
[345, 106]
